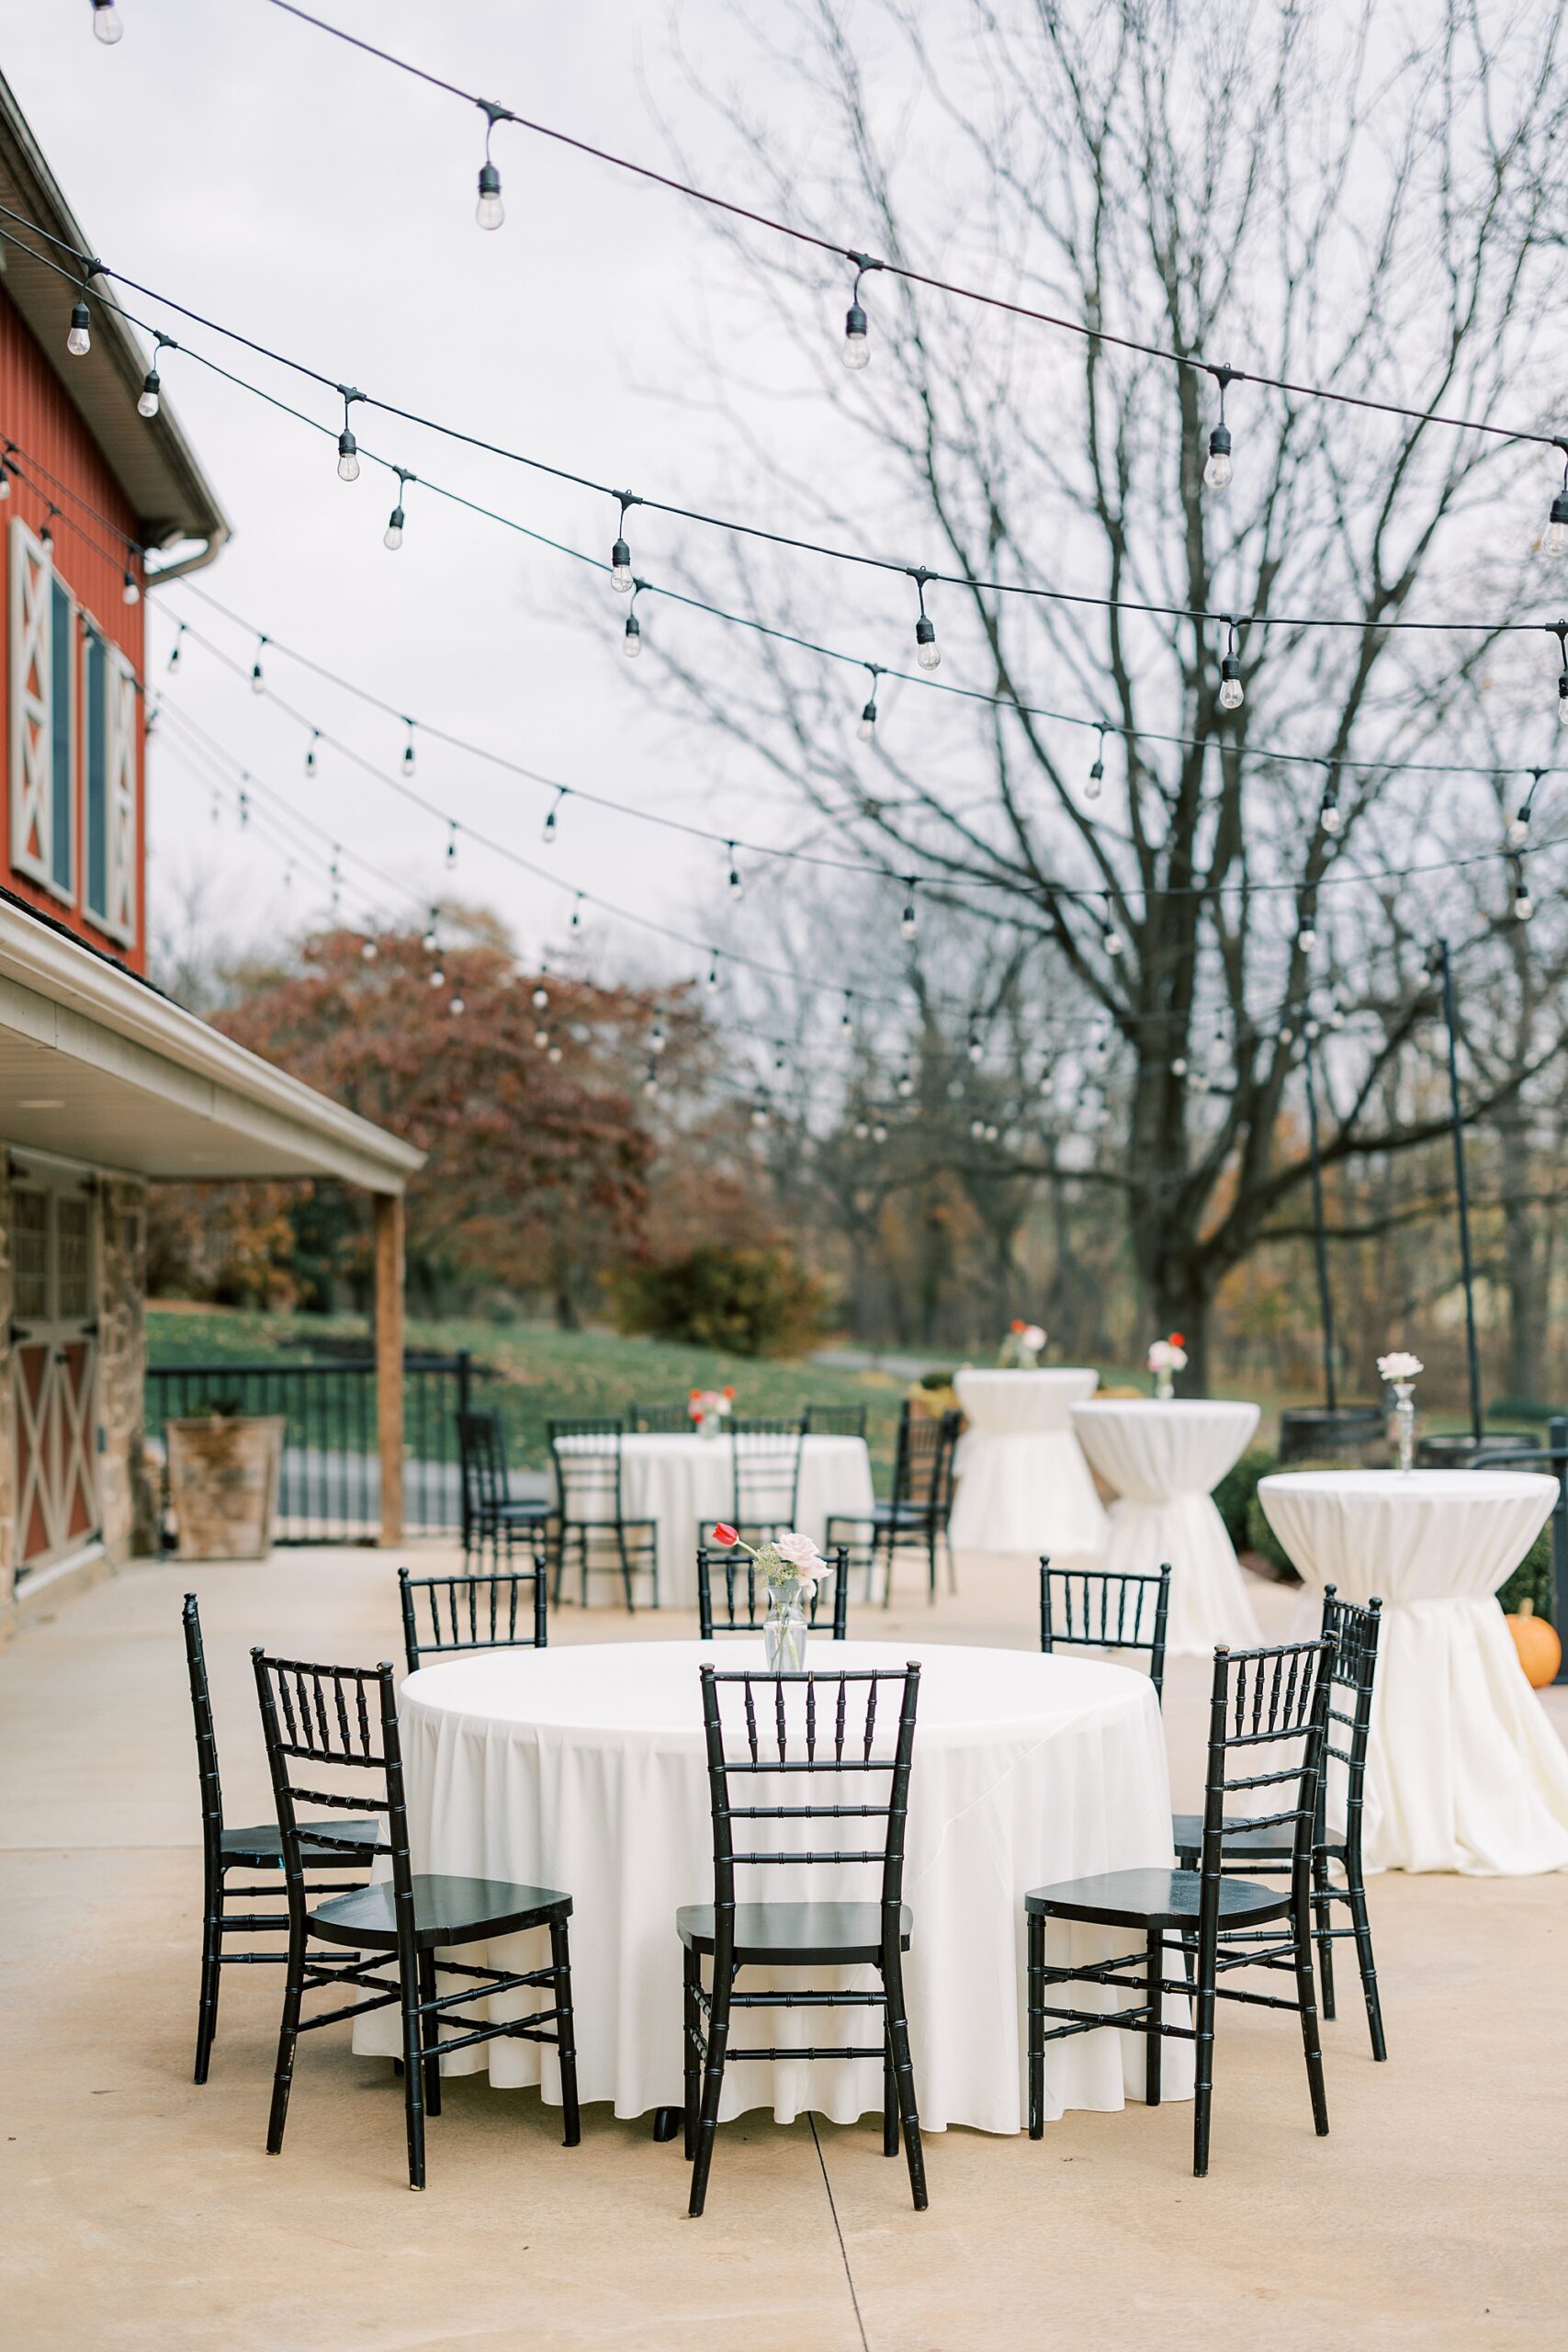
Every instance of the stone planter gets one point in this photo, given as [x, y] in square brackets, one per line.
[223, 1479]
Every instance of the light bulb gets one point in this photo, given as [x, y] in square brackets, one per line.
[737, 888]
[713, 979]
[1557, 529]
[1562, 699]
[857, 346]
[428, 942]
[5, 480]
[552, 1053]
[1113, 943]
[392, 537]
[651, 1083]
[867, 727]
[107, 22]
[540, 997]
[631, 644]
[438, 977]
[1178, 1066]
[368, 951]
[928, 653]
[976, 1128]
[148, 404]
[906, 1085]
[862, 1129]
[977, 1051]
[311, 757]
[1306, 938]
[1524, 905]
[1330, 817]
[879, 1134]
[175, 652]
[541, 1039]
[129, 593]
[46, 541]
[549, 835]
[456, 1005]
[621, 578]
[79, 342]
[258, 683]
[1217, 473]
[489, 211]
[1519, 829]
[1230, 693]
[907, 921]
[347, 456]
[407, 758]
[1096, 784]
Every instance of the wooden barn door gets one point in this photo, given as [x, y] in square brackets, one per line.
[54, 1354]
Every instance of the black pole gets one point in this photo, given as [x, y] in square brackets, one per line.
[1325, 1297]
[1461, 1189]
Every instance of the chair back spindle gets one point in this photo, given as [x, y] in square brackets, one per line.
[1103, 1608]
[1275, 1701]
[732, 1594]
[500, 1609]
[766, 1474]
[833, 1420]
[343, 1719]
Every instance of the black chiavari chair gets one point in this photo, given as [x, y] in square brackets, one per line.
[1104, 1609]
[764, 1459]
[492, 1514]
[503, 1609]
[1274, 1699]
[782, 1728]
[916, 1515]
[742, 1594]
[594, 1529]
[344, 1719]
[833, 1420]
[1353, 1631]
[667, 1420]
[258, 1848]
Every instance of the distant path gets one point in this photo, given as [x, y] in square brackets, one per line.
[860, 1360]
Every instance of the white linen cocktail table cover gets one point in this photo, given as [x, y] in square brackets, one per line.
[1464, 1772]
[1163, 1456]
[1023, 1484]
[584, 1769]
[681, 1483]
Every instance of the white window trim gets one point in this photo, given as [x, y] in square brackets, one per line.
[117, 918]
[31, 639]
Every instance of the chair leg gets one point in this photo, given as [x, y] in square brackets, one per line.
[951, 1562]
[1203, 2084]
[626, 1567]
[889, 2095]
[1035, 2005]
[212, 1971]
[1306, 1995]
[888, 1588]
[414, 2071]
[429, 2033]
[566, 2034]
[1356, 1897]
[1153, 2036]
[694, 2049]
[930, 1563]
[288, 2036]
[904, 2070]
[712, 2086]
[1323, 1916]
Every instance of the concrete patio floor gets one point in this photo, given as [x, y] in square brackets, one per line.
[142, 2212]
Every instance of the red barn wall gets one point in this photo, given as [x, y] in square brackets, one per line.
[37, 414]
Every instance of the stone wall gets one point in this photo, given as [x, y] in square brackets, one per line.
[124, 1502]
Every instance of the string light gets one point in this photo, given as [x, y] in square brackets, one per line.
[392, 537]
[552, 1053]
[438, 977]
[107, 23]
[310, 751]
[631, 644]
[79, 342]
[1096, 784]
[575, 923]
[151, 385]
[245, 809]
[540, 997]
[542, 1039]
[258, 683]
[451, 842]
[6, 469]
[368, 951]
[1524, 905]
[657, 1040]
[428, 943]
[1557, 529]
[713, 972]
[1559, 630]
[861, 1130]
[549, 835]
[1306, 932]
[857, 343]
[457, 1006]
[1232, 695]
[129, 593]
[621, 577]
[347, 447]
[46, 536]
[408, 751]
[489, 211]
[866, 730]
[1217, 473]
[909, 921]
[847, 1018]
[879, 1133]
[173, 661]
[759, 1109]
[1330, 816]
[1519, 829]
[737, 888]
[928, 653]
[650, 1080]
[975, 1048]
[1110, 938]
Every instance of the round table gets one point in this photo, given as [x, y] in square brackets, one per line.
[1024, 1484]
[1464, 1772]
[681, 1482]
[585, 1768]
[1164, 1456]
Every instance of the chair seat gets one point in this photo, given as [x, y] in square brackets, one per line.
[886, 1515]
[1271, 1845]
[262, 1848]
[831, 1934]
[531, 1508]
[1153, 1899]
[445, 1911]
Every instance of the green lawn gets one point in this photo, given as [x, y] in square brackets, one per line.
[540, 1373]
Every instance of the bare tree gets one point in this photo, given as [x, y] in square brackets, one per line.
[1298, 192]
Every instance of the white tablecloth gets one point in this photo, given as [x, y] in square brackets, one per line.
[1023, 1484]
[1464, 1772]
[681, 1482]
[1163, 1458]
[583, 1768]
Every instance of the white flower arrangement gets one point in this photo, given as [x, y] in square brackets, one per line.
[788, 1559]
[1021, 1350]
[1400, 1367]
[1167, 1355]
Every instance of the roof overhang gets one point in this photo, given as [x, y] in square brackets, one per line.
[98, 1067]
[149, 458]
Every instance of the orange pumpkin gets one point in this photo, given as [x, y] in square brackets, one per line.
[1540, 1651]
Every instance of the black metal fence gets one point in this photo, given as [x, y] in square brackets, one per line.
[330, 1491]
[1551, 1457]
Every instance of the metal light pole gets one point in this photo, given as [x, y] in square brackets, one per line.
[1325, 1298]
[1461, 1189]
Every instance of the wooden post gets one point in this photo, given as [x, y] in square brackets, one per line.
[390, 1361]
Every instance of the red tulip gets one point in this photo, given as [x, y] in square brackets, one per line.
[1176, 1340]
[726, 1537]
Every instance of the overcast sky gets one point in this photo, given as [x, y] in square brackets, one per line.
[276, 180]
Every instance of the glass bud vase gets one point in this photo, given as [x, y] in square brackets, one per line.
[1165, 1386]
[786, 1629]
[1405, 1426]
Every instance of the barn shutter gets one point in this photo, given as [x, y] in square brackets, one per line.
[32, 687]
[111, 723]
